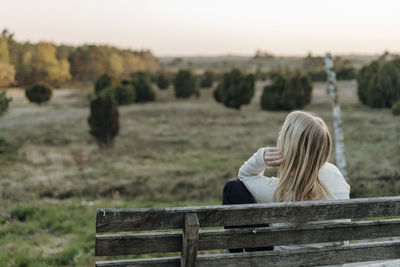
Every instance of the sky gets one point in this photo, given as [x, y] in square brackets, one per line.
[211, 27]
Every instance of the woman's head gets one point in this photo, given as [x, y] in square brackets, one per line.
[305, 145]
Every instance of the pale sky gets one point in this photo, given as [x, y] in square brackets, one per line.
[210, 27]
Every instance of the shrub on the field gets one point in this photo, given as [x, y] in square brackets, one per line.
[143, 89]
[235, 89]
[396, 107]
[121, 94]
[4, 101]
[185, 85]
[104, 81]
[207, 79]
[345, 74]
[287, 92]
[318, 76]
[379, 83]
[344, 69]
[163, 80]
[104, 120]
[39, 93]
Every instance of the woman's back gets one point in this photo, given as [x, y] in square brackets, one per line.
[263, 188]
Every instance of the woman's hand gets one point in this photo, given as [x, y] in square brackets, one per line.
[272, 157]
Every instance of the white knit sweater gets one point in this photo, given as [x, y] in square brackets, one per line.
[262, 188]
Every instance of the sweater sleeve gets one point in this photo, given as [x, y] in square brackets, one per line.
[254, 166]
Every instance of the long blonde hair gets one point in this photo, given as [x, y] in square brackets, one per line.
[305, 145]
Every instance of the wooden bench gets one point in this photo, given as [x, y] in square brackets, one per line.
[189, 239]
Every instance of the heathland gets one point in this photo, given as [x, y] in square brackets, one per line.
[168, 153]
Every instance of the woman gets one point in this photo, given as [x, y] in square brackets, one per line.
[303, 148]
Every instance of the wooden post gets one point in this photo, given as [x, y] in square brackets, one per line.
[337, 122]
[190, 240]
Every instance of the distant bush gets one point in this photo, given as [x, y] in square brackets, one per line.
[287, 92]
[143, 88]
[185, 85]
[38, 93]
[235, 89]
[121, 94]
[104, 120]
[379, 83]
[104, 81]
[344, 69]
[346, 74]
[4, 101]
[207, 79]
[396, 108]
[318, 76]
[163, 80]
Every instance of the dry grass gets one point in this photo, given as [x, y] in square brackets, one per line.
[168, 153]
[174, 150]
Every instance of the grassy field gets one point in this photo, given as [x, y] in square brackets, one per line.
[168, 153]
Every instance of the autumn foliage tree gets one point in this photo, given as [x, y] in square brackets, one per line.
[7, 71]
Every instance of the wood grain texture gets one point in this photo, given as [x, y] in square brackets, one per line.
[125, 244]
[190, 241]
[304, 257]
[116, 220]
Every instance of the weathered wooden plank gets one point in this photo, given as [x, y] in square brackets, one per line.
[115, 220]
[150, 262]
[125, 244]
[291, 235]
[190, 241]
[303, 257]
[307, 257]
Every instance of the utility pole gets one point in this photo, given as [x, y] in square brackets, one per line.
[337, 121]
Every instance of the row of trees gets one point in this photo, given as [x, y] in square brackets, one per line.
[27, 63]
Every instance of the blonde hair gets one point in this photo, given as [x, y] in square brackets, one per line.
[305, 145]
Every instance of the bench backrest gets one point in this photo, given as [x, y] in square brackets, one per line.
[188, 240]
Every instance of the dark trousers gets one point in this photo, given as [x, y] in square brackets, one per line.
[235, 192]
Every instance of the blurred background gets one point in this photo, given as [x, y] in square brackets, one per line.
[128, 104]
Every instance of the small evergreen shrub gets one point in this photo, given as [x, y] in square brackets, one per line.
[318, 76]
[185, 85]
[345, 74]
[38, 93]
[121, 94]
[104, 81]
[287, 92]
[4, 102]
[396, 108]
[104, 120]
[163, 80]
[143, 89]
[235, 89]
[379, 83]
[207, 79]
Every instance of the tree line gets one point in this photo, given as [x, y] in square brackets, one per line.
[28, 63]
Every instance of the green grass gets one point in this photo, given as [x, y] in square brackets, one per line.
[168, 153]
[57, 233]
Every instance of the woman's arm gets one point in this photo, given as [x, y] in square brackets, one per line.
[254, 166]
[265, 157]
